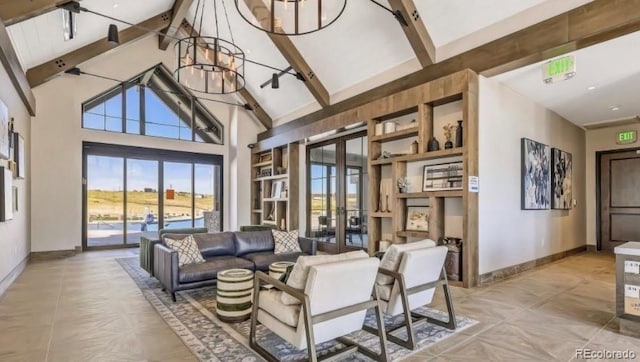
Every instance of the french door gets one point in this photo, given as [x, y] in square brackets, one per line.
[336, 193]
[131, 192]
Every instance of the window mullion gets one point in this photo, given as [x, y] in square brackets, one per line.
[143, 113]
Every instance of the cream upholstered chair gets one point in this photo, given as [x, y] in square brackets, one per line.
[328, 306]
[407, 279]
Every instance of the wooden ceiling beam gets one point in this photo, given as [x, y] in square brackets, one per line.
[262, 116]
[180, 9]
[44, 72]
[9, 60]
[415, 31]
[15, 11]
[590, 24]
[291, 54]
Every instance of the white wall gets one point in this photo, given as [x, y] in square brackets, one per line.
[600, 140]
[58, 136]
[508, 235]
[14, 234]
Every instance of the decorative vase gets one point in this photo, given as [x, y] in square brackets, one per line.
[448, 145]
[414, 147]
[403, 190]
[459, 134]
[434, 145]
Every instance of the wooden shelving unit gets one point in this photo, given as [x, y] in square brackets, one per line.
[440, 92]
[283, 165]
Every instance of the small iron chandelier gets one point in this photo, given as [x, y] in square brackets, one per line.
[209, 64]
[290, 17]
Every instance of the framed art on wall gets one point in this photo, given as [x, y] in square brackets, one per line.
[561, 179]
[6, 194]
[19, 155]
[5, 141]
[536, 175]
[417, 218]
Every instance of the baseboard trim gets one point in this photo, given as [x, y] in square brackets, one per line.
[504, 273]
[592, 248]
[52, 255]
[13, 275]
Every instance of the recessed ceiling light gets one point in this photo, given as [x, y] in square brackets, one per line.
[614, 108]
[591, 87]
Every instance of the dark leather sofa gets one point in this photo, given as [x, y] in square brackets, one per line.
[246, 250]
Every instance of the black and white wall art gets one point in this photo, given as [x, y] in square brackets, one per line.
[561, 179]
[536, 175]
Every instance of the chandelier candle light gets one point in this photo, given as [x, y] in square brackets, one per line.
[290, 17]
[208, 64]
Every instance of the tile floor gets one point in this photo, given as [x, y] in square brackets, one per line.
[86, 308]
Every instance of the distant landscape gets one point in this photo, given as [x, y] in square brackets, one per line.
[107, 205]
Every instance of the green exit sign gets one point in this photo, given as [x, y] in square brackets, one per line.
[627, 137]
[559, 69]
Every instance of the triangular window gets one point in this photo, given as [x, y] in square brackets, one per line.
[153, 104]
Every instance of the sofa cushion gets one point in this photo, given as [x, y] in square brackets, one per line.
[300, 272]
[391, 258]
[253, 242]
[187, 248]
[209, 269]
[263, 259]
[285, 242]
[215, 244]
[270, 301]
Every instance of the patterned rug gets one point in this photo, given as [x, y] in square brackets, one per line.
[194, 320]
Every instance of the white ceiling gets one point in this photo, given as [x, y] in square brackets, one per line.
[612, 67]
[362, 48]
[40, 39]
[470, 16]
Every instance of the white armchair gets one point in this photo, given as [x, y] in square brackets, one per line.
[333, 303]
[407, 280]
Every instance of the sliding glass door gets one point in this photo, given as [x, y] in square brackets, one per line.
[132, 192]
[336, 193]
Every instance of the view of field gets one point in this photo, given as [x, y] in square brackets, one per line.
[107, 205]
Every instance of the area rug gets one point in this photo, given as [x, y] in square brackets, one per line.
[194, 320]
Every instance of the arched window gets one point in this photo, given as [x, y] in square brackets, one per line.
[153, 104]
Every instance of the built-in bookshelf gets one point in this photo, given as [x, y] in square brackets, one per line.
[403, 150]
[274, 187]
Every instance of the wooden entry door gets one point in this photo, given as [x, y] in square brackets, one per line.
[619, 198]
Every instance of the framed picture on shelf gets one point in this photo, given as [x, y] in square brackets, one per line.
[536, 175]
[276, 190]
[444, 176]
[561, 179]
[417, 218]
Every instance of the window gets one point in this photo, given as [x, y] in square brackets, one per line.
[152, 104]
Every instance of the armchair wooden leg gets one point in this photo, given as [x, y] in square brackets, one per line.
[451, 322]
[173, 296]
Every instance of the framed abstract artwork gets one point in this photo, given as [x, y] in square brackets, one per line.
[6, 194]
[536, 175]
[19, 155]
[561, 179]
[5, 142]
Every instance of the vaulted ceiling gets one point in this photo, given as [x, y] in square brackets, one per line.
[365, 48]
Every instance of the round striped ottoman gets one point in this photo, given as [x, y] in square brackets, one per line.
[233, 295]
[278, 268]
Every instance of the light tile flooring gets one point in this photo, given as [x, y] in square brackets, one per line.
[86, 308]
